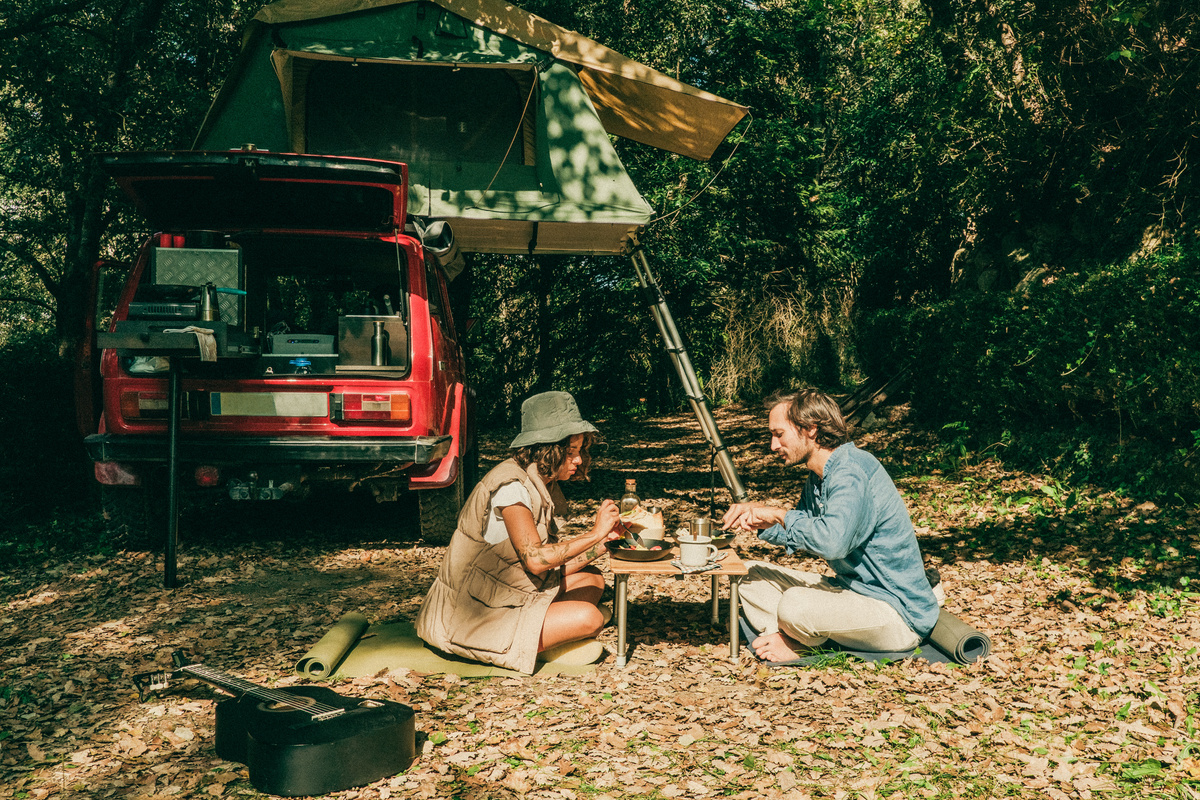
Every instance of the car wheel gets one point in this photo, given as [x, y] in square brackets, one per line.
[471, 469]
[133, 518]
[439, 511]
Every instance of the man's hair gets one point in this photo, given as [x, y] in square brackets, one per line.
[809, 407]
[550, 457]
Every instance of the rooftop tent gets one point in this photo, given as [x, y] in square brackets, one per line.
[502, 117]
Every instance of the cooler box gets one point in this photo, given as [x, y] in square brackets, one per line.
[298, 364]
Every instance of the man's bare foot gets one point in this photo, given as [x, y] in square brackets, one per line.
[775, 647]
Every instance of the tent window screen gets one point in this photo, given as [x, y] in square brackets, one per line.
[419, 113]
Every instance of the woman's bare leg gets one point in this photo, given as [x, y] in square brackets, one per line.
[568, 620]
[574, 614]
[586, 585]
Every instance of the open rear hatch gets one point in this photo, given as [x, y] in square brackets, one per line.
[256, 190]
[309, 279]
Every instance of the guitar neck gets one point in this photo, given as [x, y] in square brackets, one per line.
[240, 688]
[235, 686]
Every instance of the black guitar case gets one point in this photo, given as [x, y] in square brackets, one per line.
[290, 754]
[302, 740]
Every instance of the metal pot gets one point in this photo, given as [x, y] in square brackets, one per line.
[624, 551]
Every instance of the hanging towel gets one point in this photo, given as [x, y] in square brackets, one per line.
[204, 338]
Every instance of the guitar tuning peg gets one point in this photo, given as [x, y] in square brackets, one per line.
[149, 682]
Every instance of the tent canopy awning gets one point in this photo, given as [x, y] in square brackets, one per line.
[503, 119]
[632, 100]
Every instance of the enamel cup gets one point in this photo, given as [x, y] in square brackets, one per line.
[696, 551]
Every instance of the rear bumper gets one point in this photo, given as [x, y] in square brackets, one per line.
[269, 450]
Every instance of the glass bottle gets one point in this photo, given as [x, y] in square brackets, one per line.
[630, 500]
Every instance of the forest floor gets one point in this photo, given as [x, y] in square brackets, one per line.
[1092, 688]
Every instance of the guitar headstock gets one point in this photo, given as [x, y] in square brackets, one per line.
[148, 682]
[180, 660]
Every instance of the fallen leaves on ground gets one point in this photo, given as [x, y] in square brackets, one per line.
[1091, 689]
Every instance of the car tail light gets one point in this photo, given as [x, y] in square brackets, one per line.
[144, 405]
[364, 407]
[207, 476]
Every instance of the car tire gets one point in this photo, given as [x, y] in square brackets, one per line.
[133, 519]
[470, 469]
[439, 511]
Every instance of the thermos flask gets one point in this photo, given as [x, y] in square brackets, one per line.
[379, 345]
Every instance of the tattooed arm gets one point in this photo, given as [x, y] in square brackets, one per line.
[540, 557]
[588, 556]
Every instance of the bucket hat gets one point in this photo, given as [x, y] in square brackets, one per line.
[550, 417]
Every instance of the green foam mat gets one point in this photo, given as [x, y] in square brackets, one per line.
[353, 648]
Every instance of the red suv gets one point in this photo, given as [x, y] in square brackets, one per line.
[286, 326]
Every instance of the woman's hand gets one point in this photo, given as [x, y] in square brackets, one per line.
[604, 529]
[605, 525]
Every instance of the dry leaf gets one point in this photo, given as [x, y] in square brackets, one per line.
[680, 720]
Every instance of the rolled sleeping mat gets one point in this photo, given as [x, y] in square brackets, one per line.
[323, 659]
[959, 640]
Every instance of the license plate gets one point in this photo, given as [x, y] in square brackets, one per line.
[269, 404]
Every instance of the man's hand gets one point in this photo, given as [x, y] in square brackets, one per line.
[752, 516]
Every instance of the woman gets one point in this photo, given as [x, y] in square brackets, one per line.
[509, 592]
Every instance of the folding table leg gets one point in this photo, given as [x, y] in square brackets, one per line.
[621, 585]
[715, 593]
[734, 582]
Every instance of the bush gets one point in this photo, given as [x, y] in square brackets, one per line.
[1106, 359]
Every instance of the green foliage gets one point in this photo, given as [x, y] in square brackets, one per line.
[579, 324]
[1111, 359]
[900, 157]
[123, 75]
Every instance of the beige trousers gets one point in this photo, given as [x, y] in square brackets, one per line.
[812, 609]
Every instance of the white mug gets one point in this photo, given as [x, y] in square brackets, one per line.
[696, 552]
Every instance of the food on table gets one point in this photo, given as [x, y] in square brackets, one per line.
[629, 544]
[639, 519]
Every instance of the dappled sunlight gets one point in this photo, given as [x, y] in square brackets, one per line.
[1090, 660]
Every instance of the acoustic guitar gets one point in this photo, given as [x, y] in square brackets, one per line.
[301, 740]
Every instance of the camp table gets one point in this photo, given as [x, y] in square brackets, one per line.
[731, 566]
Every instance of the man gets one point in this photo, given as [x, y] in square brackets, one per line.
[851, 515]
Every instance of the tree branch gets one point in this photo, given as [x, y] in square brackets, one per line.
[31, 261]
[33, 301]
[41, 19]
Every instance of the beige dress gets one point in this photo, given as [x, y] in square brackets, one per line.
[484, 605]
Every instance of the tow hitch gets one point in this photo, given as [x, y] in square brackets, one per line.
[255, 487]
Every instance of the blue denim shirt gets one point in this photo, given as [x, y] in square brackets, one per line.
[854, 518]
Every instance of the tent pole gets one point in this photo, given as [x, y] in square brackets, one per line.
[687, 374]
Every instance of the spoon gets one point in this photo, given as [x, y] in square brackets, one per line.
[631, 535]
